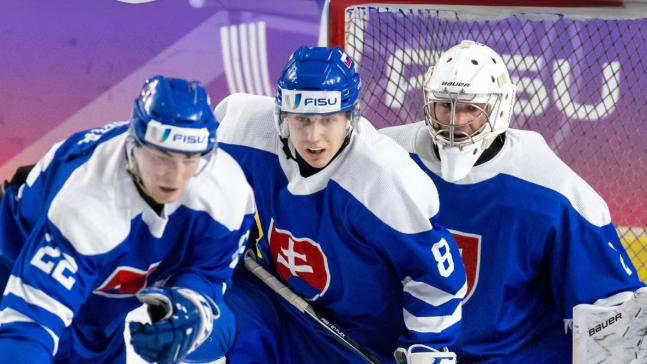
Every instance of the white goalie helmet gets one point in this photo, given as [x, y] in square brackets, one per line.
[472, 81]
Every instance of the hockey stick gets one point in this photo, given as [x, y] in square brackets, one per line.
[304, 307]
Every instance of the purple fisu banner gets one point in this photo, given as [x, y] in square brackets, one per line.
[76, 64]
[582, 84]
[70, 65]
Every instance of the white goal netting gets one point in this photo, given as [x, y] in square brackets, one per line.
[581, 78]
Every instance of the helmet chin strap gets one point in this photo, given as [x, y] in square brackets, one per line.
[131, 163]
[288, 148]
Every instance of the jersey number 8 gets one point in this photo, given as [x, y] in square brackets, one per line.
[445, 260]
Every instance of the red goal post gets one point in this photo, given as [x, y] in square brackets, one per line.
[580, 69]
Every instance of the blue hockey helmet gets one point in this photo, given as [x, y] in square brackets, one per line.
[318, 80]
[174, 115]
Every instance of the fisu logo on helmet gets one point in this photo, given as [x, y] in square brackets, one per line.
[315, 102]
[181, 139]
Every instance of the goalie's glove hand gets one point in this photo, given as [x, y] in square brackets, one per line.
[422, 354]
[182, 320]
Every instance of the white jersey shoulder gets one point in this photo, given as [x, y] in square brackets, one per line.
[374, 169]
[538, 164]
[222, 191]
[42, 164]
[98, 200]
[94, 208]
[525, 155]
[405, 135]
[248, 120]
[381, 175]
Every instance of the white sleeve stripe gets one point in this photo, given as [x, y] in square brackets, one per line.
[42, 164]
[54, 337]
[39, 298]
[431, 294]
[9, 315]
[431, 324]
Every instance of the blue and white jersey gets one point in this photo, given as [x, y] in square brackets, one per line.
[359, 239]
[536, 240]
[80, 241]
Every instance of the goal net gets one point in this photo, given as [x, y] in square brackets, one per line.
[581, 76]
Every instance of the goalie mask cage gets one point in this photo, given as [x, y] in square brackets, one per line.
[580, 71]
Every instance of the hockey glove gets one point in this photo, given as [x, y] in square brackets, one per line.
[421, 354]
[182, 320]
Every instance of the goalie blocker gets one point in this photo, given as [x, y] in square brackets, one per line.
[607, 334]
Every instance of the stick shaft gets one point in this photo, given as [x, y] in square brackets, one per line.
[298, 302]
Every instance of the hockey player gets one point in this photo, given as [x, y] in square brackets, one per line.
[536, 240]
[148, 210]
[347, 221]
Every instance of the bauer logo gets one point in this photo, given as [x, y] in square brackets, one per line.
[311, 101]
[457, 84]
[608, 322]
[180, 139]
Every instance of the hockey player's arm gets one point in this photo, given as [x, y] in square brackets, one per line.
[592, 276]
[48, 284]
[434, 284]
[210, 261]
[182, 312]
[603, 267]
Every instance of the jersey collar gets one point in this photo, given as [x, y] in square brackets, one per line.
[498, 164]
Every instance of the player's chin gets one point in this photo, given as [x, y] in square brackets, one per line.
[317, 160]
[166, 194]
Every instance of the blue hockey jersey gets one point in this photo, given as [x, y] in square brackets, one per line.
[536, 240]
[80, 241]
[359, 239]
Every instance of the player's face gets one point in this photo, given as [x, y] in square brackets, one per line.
[317, 138]
[164, 174]
[469, 119]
